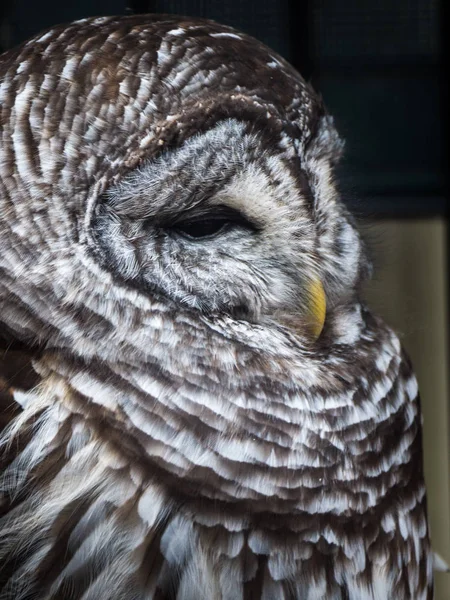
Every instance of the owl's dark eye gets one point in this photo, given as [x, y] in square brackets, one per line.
[212, 224]
[203, 228]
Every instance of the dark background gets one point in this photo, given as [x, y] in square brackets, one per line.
[378, 64]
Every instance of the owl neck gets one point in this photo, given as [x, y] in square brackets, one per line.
[263, 425]
[249, 449]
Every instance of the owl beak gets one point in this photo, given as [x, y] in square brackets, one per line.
[316, 307]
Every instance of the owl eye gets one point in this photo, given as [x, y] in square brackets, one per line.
[210, 225]
[203, 228]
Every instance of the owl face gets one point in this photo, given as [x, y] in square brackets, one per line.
[222, 224]
[219, 225]
[191, 168]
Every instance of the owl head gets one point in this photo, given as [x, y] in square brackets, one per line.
[155, 163]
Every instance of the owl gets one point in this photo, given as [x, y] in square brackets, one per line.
[198, 405]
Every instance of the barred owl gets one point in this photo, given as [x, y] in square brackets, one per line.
[203, 407]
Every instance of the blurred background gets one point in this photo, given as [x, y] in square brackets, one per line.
[380, 69]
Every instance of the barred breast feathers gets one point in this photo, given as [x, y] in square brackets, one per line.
[162, 456]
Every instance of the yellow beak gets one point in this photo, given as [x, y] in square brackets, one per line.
[316, 307]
